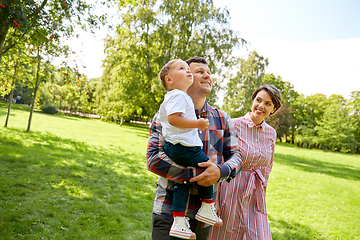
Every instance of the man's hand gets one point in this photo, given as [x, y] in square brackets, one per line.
[203, 123]
[210, 176]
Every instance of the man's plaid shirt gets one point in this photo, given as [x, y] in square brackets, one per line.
[219, 139]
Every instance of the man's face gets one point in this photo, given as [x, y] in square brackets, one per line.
[202, 79]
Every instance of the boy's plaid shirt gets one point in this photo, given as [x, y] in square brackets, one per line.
[219, 139]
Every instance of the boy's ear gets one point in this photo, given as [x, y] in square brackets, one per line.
[168, 80]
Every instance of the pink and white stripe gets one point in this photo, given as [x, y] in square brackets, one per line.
[242, 201]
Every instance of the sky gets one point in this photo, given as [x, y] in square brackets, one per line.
[313, 44]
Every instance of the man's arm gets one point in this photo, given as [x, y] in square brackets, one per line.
[231, 151]
[159, 163]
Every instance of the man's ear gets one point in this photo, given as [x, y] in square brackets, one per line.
[168, 80]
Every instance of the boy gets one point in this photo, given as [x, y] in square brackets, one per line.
[183, 145]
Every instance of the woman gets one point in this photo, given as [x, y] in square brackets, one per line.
[242, 201]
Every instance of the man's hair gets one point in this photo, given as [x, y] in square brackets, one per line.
[165, 71]
[196, 60]
[274, 93]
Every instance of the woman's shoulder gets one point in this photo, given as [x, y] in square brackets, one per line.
[238, 120]
[269, 129]
[241, 120]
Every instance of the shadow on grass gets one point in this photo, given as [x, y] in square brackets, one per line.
[312, 165]
[280, 229]
[49, 184]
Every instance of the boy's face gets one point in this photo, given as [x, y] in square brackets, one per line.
[179, 77]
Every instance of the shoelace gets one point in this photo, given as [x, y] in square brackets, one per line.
[213, 211]
[187, 222]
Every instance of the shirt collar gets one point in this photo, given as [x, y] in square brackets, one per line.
[206, 108]
[251, 124]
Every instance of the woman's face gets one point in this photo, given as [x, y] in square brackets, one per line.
[262, 106]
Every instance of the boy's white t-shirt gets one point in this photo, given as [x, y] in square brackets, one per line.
[178, 101]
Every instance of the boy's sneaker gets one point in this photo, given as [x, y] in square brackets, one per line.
[181, 229]
[207, 214]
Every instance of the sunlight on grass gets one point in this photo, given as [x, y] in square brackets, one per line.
[71, 189]
[71, 176]
[314, 192]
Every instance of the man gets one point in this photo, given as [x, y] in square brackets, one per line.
[220, 145]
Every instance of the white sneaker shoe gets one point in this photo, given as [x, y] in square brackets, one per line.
[207, 214]
[181, 229]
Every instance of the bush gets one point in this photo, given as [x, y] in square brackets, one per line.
[49, 109]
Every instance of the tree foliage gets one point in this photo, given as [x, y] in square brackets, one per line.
[151, 33]
[334, 130]
[354, 111]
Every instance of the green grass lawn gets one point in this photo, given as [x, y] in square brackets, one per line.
[78, 178]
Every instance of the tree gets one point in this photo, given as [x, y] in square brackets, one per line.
[238, 100]
[335, 131]
[17, 62]
[27, 24]
[309, 111]
[152, 33]
[19, 19]
[354, 113]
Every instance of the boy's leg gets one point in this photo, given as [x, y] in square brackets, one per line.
[206, 192]
[181, 192]
[180, 227]
[207, 211]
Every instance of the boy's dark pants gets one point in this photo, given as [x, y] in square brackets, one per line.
[186, 156]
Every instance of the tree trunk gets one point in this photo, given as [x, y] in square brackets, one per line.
[292, 135]
[11, 95]
[9, 107]
[4, 29]
[121, 120]
[34, 98]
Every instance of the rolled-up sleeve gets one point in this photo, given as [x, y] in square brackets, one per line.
[232, 159]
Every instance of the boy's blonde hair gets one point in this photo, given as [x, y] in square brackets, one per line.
[165, 71]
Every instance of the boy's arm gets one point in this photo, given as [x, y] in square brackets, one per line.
[159, 163]
[179, 121]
